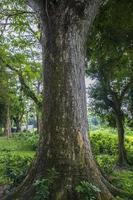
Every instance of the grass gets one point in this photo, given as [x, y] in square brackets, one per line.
[13, 144]
[13, 148]
[104, 140]
[123, 179]
[104, 143]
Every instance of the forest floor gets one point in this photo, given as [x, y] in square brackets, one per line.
[17, 153]
[104, 146]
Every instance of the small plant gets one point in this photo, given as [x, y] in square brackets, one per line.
[16, 167]
[42, 189]
[42, 186]
[87, 191]
[106, 162]
[30, 138]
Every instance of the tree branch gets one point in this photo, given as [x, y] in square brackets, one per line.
[125, 89]
[26, 89]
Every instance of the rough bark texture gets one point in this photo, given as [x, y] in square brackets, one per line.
[64, 143]
[122, 158]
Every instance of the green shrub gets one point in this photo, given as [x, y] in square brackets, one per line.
[42, 189]
[31, 138]
[87, 191]
[103, 143]
[14, 167]
[106, 163]
[123, 179]
[42, 186]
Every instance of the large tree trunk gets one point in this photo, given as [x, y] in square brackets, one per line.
[64, 144]
[122, 158]
[7, 122]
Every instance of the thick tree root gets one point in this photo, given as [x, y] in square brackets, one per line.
[26, 190]
[115, 191]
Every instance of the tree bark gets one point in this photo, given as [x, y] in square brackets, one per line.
[122, 158]
[64, 143]
[18, 126]
[7, 122]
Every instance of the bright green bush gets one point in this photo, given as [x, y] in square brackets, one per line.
[104, 147]
[103, 143]
[106, 163]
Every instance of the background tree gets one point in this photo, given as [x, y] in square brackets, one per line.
[111, 66]
[20, 52]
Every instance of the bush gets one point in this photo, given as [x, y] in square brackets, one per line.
[103, 143]
[87, 191]
[123, 179]
[31, 138]
[106, 163]
[14, 167]
[42, 186]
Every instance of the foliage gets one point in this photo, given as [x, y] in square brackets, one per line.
[123, 179]
[16, 143]
[110, 62]
[104, 146]
[14, 167]
[87, 191]
[20, 59]
[31, 138]
[106, 163]
[15, 157]
[103, 142]
[43, 185]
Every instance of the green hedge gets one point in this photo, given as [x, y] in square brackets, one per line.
[104, 142]
[104, 147]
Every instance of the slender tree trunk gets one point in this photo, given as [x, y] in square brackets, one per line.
[122, 158]
[18, 128]
[64, 143]
[27, 120]
[7, 124]
[17, 122]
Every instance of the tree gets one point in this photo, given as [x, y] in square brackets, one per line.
[5, 100]
[20, 46]
[20, 52]
[64, 145]
[109, 98]
[110, 52]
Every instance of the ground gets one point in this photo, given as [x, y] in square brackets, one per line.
[17, 153]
